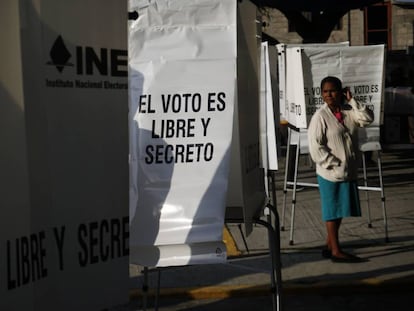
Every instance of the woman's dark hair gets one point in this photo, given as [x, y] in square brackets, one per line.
[334, 80]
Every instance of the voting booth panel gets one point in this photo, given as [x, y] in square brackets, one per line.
[361, 68]
[282, 69]
[274, 89]
[246, 193]
[267, 115]
[295, 101]
[64, 136]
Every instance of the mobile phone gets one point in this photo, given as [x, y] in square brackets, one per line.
[345, 90]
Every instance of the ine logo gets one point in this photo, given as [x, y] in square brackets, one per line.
[59, 55]
[88, 61]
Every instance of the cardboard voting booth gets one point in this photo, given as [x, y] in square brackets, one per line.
[361, 68]
[64, 150]
[246, 195]
[194, 127]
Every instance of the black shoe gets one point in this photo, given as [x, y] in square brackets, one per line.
[348, 259]
[326, 253]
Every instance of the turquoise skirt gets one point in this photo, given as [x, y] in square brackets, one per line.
[338, 199]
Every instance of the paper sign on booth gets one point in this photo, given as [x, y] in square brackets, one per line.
[182, 74]
[359, 67]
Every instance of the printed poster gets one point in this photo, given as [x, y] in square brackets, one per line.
[182, 74]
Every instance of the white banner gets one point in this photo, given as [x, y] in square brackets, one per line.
[295, 99]
[281, 67]
[268, 134]
[281, 50]
[64, 170]
[359, 67]
[182, 74]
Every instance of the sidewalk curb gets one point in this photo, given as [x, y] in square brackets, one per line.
[320, 288]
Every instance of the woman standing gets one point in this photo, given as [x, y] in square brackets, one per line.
[333, 146]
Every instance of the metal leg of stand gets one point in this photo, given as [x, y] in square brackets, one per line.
[278, 262]
[275, 259]
[282, 227]
[272, 180]
[384, 213]
[243, 238]
[272, 278]
[157, 295]
[145, 289]
[292, 216]
[364, 168]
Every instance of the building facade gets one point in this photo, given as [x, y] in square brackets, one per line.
[390, 22]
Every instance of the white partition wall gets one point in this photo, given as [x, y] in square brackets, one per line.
[266, 112]
[64, 155]
[246, 195]
[361, 68]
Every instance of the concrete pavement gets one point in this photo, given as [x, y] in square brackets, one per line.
[388, 269]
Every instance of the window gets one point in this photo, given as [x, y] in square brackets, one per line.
[310, 16]
[377, 24]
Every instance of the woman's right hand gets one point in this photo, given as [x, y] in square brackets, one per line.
[347, 93]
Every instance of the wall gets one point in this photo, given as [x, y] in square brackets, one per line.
[402, 27]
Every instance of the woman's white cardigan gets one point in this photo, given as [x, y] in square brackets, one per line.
[333, 146]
